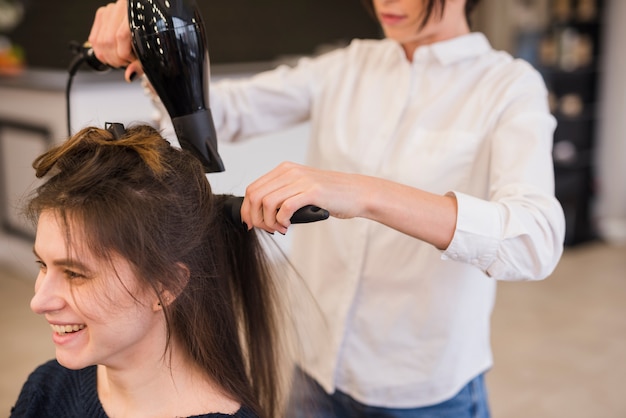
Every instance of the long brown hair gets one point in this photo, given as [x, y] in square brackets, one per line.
[138, 197]
[432, 6]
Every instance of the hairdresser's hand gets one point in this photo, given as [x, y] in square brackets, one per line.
[111, 40]
[271, 200]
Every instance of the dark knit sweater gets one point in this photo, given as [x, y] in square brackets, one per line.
[53, 391]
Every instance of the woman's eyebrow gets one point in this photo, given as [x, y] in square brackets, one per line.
[65, 262]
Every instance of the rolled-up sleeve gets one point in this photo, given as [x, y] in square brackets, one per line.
[517, 232]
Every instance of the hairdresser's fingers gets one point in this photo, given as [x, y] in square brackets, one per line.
[252, 208]
[343, 195]
[280, 176]
[252, 214]
[273, 199]
[248, 213]
[110, 35]
[243, 213]
[291, 205]
[122, 35]
[261, 213]
[266, 183]
[290, 193]
[102, 36]
[272, 204]
[133, 70]
[97, 27]
[265, 196]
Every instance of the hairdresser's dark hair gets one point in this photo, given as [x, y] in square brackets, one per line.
[140, 198]
[432, 7]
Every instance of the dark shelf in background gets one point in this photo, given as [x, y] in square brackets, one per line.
[567, 53]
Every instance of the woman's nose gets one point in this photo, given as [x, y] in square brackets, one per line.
[49, 294]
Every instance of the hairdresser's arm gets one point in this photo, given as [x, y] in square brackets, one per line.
[272, 199]
[111, 41]
[271, 100]
[513, 233]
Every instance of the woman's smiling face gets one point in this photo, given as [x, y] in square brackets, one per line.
[97, 309]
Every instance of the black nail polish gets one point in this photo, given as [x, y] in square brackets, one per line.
[132, 76]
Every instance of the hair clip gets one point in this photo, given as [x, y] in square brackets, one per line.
[116, 129]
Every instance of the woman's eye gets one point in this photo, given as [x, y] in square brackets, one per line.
[73, 275]
[41, 264]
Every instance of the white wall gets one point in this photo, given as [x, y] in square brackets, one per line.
[610, 209]
[19, 148]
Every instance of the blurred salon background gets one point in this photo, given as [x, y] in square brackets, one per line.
[558, 344]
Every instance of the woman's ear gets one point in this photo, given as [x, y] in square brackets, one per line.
[167, 296]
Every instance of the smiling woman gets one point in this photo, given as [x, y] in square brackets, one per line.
[90, 302]
[159, 305]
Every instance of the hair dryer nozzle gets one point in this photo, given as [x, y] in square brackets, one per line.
[196, 134]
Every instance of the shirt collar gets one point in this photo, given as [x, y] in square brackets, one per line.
[451, 51]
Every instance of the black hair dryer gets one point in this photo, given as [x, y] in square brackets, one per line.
[168, 38]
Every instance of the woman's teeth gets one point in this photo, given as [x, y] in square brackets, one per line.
[66, 329]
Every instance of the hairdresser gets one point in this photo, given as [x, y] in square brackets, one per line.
[432, 153]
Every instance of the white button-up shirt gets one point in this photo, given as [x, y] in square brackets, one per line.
[399, 323]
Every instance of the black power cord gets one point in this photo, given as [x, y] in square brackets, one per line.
[83, 54]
